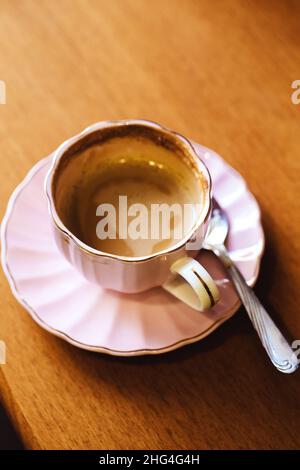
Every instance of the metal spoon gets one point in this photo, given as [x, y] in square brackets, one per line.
[277, 347]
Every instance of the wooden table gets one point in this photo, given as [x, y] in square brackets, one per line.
[220, 73]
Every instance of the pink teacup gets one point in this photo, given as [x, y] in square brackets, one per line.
[153, 166]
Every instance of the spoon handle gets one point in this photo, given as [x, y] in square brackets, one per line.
[277, 347]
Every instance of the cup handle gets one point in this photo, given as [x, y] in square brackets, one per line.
[192, 284]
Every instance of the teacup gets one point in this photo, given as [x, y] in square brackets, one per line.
[130, 203]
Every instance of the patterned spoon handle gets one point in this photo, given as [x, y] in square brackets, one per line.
[277, 347]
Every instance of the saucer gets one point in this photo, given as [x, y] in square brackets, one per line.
[61, 301]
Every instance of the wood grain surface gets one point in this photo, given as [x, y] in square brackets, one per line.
[220, 73]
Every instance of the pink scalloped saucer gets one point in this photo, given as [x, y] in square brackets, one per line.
[61, 301]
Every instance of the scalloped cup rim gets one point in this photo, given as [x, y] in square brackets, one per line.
[58, 153]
